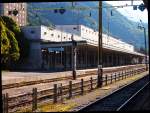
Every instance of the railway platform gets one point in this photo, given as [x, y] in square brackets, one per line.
[17, 77]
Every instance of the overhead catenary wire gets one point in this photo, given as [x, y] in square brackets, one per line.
[83, 8]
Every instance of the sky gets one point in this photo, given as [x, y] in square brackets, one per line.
[134, 15]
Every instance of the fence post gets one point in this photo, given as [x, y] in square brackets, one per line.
[99, 81]
[91, 81]
[121, 73]
[61, 92]
[115, 77]
[135, 72]
[111, 78]
[34, 99]
[5, 103]
[82, 86]
[132, 72]
[70, 89]
[55, 93]
[125, 74]
[106, 79]
[7, 97]
[140, 71]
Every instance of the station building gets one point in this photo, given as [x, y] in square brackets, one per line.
[51, 48]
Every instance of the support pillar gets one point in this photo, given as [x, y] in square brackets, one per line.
[112, 59]
[74, 57]
[100, 61]
[86, 56]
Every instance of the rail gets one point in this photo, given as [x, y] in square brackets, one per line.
[87, 73]
[130, 99]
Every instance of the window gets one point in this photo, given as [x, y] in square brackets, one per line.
[45, 33]
[52, 34]
[32, 32]
[64, 37]
[58, 36]
[74, 28]
[9, 12]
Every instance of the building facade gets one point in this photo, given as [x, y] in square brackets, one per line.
[51, 49]
[17, 11]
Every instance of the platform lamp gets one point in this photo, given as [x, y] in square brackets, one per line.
[142, 27]
[100, 70]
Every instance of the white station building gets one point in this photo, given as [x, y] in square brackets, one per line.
[51, 48]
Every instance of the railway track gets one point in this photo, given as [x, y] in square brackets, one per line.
[118, 99]
[133, 103]
[28, 83]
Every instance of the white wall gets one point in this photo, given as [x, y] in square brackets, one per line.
[64, 33]
[73, 29]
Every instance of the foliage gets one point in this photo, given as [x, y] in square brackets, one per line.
[9, 44]
[14, 45]
[50, 107]
[11, 25]
[5, 43]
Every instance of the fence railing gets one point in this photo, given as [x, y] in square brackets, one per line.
[59, 91]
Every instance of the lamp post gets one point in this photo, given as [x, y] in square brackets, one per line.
[100, 70]
[142, 27]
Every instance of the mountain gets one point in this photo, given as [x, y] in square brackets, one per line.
[120, 26]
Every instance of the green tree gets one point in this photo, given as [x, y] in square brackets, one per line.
[5, 43]
[9, 45]
[14, 46]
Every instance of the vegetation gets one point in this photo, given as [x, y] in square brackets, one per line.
[48, 107]
[14, 46]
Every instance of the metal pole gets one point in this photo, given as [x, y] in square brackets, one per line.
[61, 46]
[145, 49]
[74, 56]
[100, 71]
[108, 21]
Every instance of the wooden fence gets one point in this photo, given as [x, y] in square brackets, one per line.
[59, 92]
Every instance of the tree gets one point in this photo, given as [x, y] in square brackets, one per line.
[9, 45]
[5, 43]
[14, 46]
